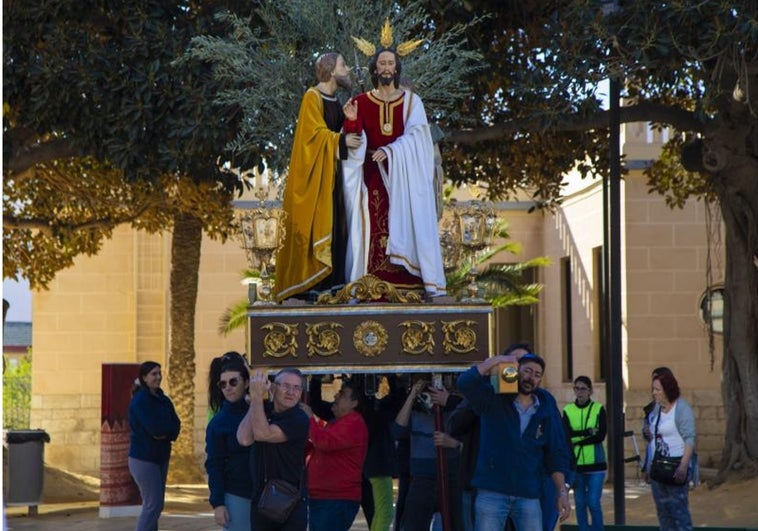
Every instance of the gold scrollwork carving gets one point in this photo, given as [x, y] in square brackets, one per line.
[370, 338]
[459, 336]
[280, 340]
[370, 288]
[323, 339]
[418, 337]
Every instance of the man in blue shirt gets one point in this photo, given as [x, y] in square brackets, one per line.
[521, 438]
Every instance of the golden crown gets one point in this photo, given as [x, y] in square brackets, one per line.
[386, 41]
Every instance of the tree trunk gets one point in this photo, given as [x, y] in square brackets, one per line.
[737, 189]
[185, 264]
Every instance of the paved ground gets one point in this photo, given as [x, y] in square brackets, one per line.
[187, 509]
[732, 504]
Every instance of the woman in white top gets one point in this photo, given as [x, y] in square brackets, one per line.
[673, 434]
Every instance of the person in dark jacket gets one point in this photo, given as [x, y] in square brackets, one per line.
[510, 483]
[227, 462]
[463, 425]
[154, 425]
[416, 421]
[381, 460]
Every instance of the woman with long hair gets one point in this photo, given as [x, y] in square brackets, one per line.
[673, 436]
[154, 425]
[227, 462]
[215, 396]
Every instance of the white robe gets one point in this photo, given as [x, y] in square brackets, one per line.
[413, 236]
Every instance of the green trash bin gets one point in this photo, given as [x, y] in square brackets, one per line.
[25, 480]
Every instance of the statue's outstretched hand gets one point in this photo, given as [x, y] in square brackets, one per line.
[350, 109]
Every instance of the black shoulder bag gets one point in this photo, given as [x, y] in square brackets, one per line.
[279, 497]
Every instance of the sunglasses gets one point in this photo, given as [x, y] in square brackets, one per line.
[577, 388]
[233, 382]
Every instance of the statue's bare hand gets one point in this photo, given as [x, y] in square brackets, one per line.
[379, 156]
[353, 140]
[350, 109]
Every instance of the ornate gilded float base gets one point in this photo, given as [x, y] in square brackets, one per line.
[370, 337]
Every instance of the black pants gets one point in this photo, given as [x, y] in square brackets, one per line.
[421, 503]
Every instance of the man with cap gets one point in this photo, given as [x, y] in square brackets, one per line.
[521, 439]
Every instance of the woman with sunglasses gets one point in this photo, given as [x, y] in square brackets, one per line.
[215, 395]
[154, 424]
[227, 462]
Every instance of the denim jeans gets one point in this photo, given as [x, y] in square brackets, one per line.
[331, 515]
[588, 488]
[672, 506]
[467, 509]
[492, 509]
[239, 512]
[151, 480]
[548, 504]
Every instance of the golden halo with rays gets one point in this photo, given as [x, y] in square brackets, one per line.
[368, 49]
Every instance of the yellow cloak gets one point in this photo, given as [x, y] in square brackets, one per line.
[306, 256]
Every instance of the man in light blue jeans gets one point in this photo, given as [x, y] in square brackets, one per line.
[521, 439]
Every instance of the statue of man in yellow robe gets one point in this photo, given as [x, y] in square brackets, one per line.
[312, 257]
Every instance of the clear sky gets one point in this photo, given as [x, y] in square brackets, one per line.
[20, 297]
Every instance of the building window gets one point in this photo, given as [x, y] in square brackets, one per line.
[516, 324]
[712, 309]
[567, 336]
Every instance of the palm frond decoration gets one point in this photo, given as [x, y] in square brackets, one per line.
[236, 315]
[500, 284]
[233, 317]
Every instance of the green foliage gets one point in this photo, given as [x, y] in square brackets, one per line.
[539, 100]
[668, 177]
[102, 77]
[102, 127]
[233, 318]
[44, 235]
[17, 393]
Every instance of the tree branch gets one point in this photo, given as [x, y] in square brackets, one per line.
[47, 226]
[678, 118]
[26, 157]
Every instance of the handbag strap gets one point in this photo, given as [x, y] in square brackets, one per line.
[655, 431]
[265, 468]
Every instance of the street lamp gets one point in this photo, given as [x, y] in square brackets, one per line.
[262, 235]
[471, 232]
